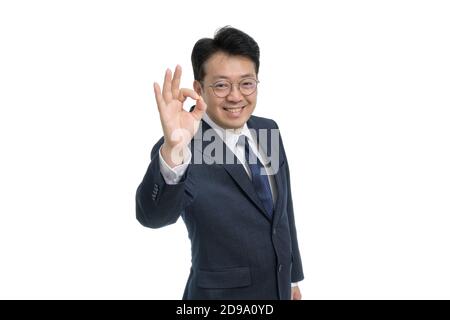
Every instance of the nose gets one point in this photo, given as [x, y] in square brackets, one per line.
[235, 95]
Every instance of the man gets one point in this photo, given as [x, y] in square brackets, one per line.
[225, 173]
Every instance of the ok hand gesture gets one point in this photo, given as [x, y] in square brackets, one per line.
[179, 125]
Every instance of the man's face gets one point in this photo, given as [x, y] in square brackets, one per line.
[233, 110]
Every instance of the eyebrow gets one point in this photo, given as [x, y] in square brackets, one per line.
[247, 75]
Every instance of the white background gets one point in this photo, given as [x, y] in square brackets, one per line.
[360, 90]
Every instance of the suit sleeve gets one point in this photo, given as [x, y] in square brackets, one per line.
[159, 204]
[297, 268]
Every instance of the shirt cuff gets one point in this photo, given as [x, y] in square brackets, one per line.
[294, 284]
[174, 175]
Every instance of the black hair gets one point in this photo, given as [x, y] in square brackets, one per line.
[228, 40]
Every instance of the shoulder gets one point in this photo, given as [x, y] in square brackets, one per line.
[263, 122]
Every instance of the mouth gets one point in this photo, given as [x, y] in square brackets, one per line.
[234, 111]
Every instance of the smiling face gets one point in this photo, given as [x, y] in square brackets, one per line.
[233, 110]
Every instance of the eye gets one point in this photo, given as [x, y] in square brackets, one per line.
[248, 83]
[221, 85]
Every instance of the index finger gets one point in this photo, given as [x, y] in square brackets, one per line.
[167, 86]
[158, 96]
[187, 93]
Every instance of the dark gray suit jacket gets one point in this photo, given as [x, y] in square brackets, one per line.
[238, 252]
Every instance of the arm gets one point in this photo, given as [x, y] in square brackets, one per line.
[158, 203]
[297, 268]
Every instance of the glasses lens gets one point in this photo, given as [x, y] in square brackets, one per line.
[222, 88]
[247, 86]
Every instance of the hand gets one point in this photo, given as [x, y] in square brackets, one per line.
[295, 293]
[179, 125]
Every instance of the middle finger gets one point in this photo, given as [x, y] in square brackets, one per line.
[176, 82]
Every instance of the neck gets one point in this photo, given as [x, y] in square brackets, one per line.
[215, 126]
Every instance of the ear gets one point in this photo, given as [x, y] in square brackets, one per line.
[197, 87]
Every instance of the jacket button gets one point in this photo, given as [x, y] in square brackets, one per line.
[274, 231]
[280, 267]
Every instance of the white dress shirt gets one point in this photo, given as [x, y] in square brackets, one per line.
[230, 138]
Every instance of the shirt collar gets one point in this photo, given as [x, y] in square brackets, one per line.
[229, 136]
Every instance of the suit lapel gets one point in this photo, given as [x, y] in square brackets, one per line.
[266, 146]
[238, 173]
[235, 169]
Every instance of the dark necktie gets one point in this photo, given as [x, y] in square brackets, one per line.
[259, 178]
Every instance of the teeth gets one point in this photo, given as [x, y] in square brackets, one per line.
[234, 110]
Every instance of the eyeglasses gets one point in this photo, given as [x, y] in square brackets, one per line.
[223, 88]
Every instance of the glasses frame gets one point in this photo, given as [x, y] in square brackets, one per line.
[231, 88]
